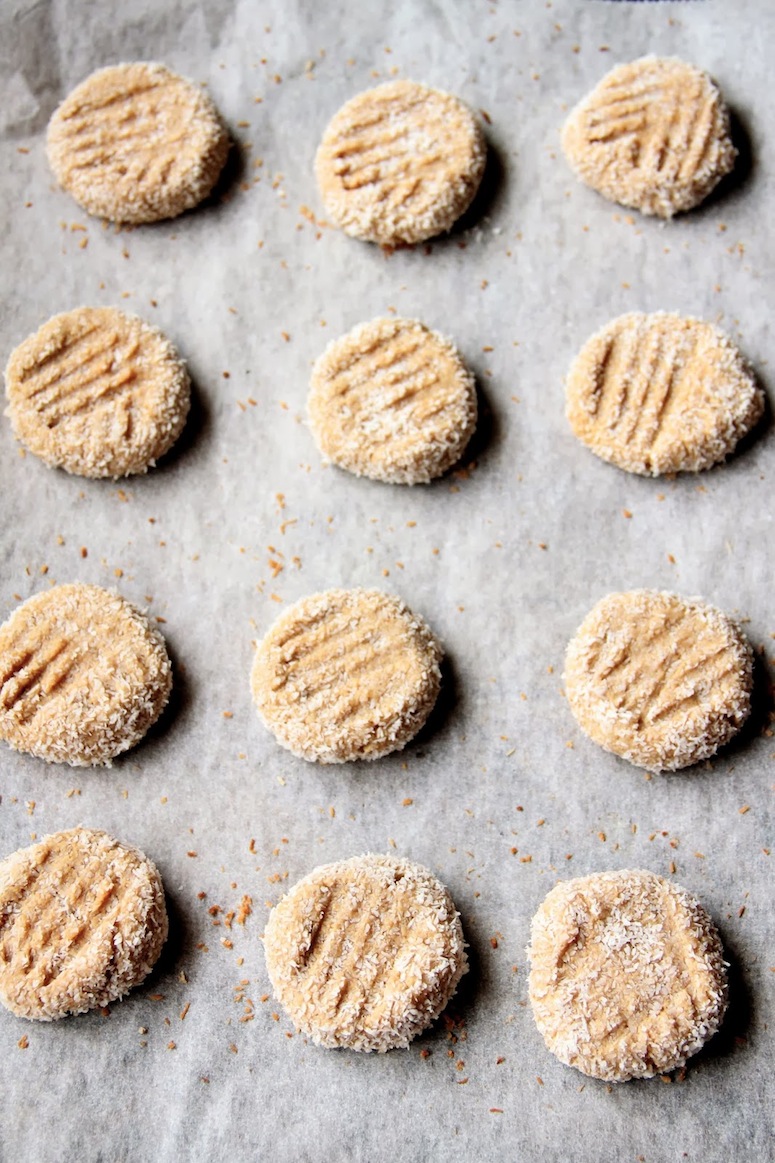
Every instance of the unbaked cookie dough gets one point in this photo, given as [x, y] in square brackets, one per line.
[400, 163]
[627, 976]
[82, 921]
[97, 393]
[393, 401]
[346, 674]
[653, 134]
[661, 393]
[83, 675]
[365, 953]
[137, 143]
[660, 680]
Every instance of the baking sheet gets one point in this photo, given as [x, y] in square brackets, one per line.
[501, 794]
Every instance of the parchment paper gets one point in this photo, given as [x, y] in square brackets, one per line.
[501, 794]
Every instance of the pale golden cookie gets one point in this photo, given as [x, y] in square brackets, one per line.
[346, 674]
[653, 134]
[627, 975]
[82, 921]
[365, 953]
[97, 393]
[400, 163]
[660, 680]
[661, 393]
[137, 143]
[83, 675]
[393, 401]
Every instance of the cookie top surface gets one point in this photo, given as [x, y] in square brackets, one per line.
[393, 401]
[365, 953]
[660, 680]
[653, 134]
[82, 921]
[661, 393]
[346, 674]
[627, 975]
[400, 163]
[97, 393]
[137, 143]
[83, 675]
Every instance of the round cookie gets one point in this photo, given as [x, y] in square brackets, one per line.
[661, 393]
[400, 163]
[83, 675]
[346, 674]
[393, 401]
[653, 134]
[365, 953]
[82, 921]
[660, 680]
[627, 976]
[137, 143]
[97, 393]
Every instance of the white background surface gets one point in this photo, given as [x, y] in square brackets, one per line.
[527, 542]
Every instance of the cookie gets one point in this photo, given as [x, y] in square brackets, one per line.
[393, 401]
[97, 393]
[653, 134]
[365, 953]
[627, 976]
[661, 393]
[82, 921]
[346, 674]
[660, 680]
[137, 143]
[400, 163]
[83, 675]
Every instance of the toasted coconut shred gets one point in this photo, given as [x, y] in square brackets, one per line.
[627, 975]
[82, 921]
[660, 680]
[346, 674]
[83, 675]
[365, 953]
